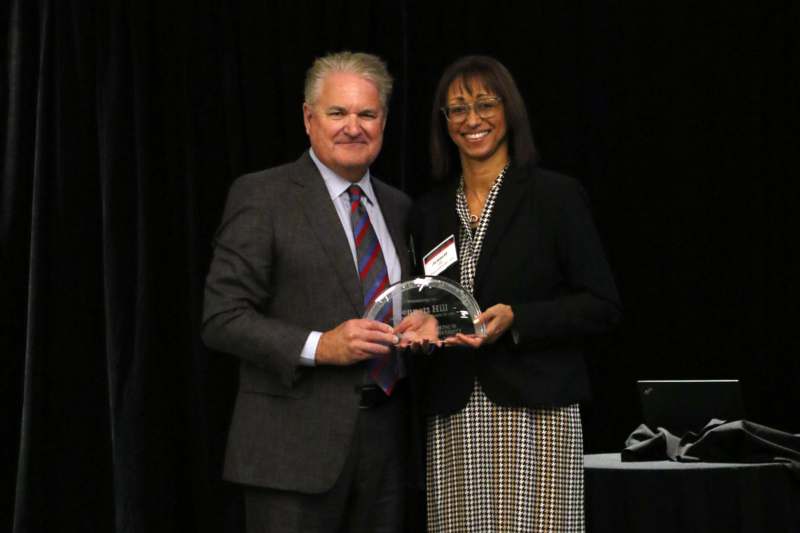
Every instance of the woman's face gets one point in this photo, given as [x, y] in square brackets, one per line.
[477, 122]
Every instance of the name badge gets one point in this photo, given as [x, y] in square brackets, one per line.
[442, 256]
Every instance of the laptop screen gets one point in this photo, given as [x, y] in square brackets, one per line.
[688, 405]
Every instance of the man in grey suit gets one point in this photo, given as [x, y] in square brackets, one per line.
[318, 432]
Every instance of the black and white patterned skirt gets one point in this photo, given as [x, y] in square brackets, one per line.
[501, 469]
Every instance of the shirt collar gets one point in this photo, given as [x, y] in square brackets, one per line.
[337, 185]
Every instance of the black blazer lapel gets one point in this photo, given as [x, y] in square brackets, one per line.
[446, 223]
[514, 188]
[322, 217]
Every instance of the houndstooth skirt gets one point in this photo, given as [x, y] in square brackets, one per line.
[499, 469]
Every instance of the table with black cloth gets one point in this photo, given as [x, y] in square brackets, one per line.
[666, 496]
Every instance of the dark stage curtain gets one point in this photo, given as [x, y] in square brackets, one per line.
[125, 122]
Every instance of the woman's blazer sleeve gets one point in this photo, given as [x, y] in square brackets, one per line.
[589, 303]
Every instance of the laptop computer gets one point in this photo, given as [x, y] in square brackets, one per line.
[681, 405]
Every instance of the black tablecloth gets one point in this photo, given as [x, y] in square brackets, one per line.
[670, 497]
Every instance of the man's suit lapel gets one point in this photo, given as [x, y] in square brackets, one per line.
[511, 193]
[322, 217]
[395, 217]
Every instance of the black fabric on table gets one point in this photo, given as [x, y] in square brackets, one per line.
[738, 441]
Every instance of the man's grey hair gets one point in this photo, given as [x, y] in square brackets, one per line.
[368, 66]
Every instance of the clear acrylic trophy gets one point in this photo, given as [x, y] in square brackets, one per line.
[430, 297]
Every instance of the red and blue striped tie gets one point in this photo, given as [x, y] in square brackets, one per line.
[374, 277]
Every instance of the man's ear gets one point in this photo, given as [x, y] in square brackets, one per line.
[307, 111]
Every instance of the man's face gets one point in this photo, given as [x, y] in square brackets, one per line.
[345, 124]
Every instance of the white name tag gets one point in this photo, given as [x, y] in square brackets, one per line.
[442, 256]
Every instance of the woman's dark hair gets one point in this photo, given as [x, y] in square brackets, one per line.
[489, 72]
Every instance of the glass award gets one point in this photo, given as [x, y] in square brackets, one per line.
[430, 298]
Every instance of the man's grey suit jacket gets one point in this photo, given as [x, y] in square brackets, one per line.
[282, 267]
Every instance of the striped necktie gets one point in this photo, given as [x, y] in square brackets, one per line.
[374, 277]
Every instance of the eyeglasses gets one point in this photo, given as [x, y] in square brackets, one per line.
[484, 107]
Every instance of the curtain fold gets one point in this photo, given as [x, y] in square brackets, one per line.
[107, 437]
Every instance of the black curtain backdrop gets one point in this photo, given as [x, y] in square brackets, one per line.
[125, 122]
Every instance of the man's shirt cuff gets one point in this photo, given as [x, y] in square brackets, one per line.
[308, 354]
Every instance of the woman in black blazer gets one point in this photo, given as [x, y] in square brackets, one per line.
[504, 442]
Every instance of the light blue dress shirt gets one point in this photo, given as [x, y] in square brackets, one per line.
[337, 188]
